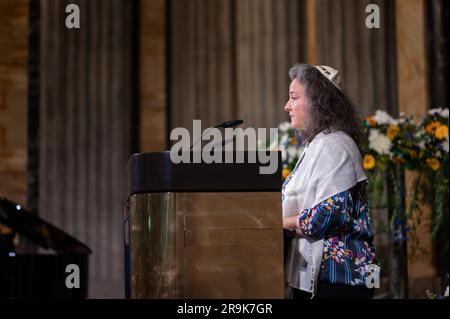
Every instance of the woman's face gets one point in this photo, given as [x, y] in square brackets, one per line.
[296, 106]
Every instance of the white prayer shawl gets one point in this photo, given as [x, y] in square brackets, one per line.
[332, 164]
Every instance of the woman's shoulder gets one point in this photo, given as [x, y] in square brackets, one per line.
[336, 141]
[335, 145]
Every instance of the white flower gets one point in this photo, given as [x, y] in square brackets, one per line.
[373, 134]
[284, 127]
[381, 117]
[379, 142]
[445, 145]
[401, 120]
[274, 145]
[421, 145]
[434, 111]
[440, 111]
[283, 155]
[284, 139]
[419, 135]
[292, 151]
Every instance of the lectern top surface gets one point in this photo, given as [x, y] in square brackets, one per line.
[237, 172]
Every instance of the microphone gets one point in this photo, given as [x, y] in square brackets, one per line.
[231, 123]
[226, 124]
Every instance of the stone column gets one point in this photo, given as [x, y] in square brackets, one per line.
[413, 100]
[152, 75]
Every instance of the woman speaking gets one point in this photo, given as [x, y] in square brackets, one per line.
[324, 198]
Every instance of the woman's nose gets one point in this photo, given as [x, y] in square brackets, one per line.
[287, 107]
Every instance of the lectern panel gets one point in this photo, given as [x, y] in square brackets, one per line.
[234, 272]
[252, 210]
[233, 245]
[206, 245]
[156, 246]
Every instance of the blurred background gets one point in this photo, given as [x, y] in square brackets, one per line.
[76, 103]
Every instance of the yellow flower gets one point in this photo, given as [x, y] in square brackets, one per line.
[412, 153]
[433, 163]
[398, 160]
[371, 121]
[392, 131]
[431, 128]
[294, 140]
[286, 172]
[441, 132]
[368, 162]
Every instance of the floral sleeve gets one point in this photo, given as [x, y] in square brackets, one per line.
[328, 218]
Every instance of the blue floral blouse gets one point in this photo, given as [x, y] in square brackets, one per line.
[344, 223]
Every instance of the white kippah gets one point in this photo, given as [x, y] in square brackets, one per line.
[331, 74]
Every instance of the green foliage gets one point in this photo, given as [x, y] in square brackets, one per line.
[430, 294]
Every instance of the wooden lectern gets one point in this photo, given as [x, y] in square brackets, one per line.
[197, 230]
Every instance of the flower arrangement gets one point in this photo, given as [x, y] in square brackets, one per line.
[401, 141]
[389, 141]
[431, 184]
[291, 146]
[433, 136]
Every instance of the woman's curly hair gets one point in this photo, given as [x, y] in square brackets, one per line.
[329, 109]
